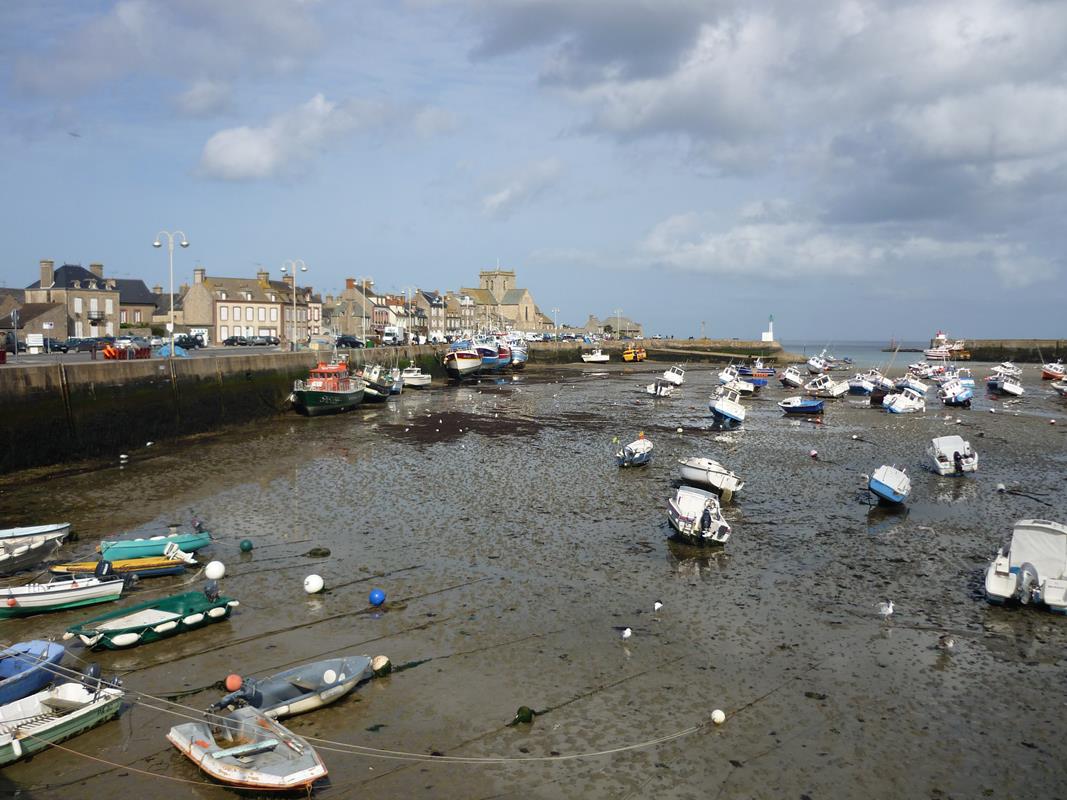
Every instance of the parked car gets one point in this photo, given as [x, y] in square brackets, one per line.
[89, 345]
[187, 342]
[235, 341]
[125, 341]
[258, 341]
[273, 340]
[345, 340]
[9, 342]
[155, 341]
[55, 345]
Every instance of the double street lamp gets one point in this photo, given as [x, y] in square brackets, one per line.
[170, 257]
[292, 266]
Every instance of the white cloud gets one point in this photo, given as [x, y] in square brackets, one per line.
[521, 188]
[204, 98]
[777, 247]
[285, 144]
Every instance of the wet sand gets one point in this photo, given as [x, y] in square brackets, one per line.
[510, 547]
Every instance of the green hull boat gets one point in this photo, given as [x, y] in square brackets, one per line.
[152, 547]
[34, 723]
[151, 621]
[315, 404]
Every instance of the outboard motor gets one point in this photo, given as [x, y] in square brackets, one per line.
[1028, 585]
[198, 526]
[705, 520]
[957, 459]
[91, 677]
[104, 569]
[211, 590]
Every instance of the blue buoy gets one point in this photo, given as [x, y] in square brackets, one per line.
[377, 597]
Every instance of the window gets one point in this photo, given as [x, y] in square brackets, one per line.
[77, 305]
[224, 314]
[122, 317]
[262, 314]
[92, 304]
[236, 314]
[249, 316]
[274, 314]
[136, 315]
[108, 306]
[248, 295]
[224, 331]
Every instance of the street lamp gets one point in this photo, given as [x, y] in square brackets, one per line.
[555, 325]
[291, 266]
[170, 258]
[618, 322]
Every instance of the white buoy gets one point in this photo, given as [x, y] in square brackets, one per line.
[1001, 487]
[626, 633]
[149, 444]
[215, 570]
[313, 584]
[123, 457]
[718, 716]
[679, 430]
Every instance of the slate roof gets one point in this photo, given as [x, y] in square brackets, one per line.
[512, 297]
[234, 288]
[64, 277]
[482, 297]
[134, 292]
[30, 312]
[162, 302]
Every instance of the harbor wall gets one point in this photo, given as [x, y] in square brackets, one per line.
[1024, 351]
[71, 411]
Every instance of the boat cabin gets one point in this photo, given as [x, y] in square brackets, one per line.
[328, 377]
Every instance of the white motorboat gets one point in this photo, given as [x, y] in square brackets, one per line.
[890, 484]
[70, 591]
[743, 388]
[954, 393]
[818, 364]
[1007, 368]
[415, 378]
[660, 389]
[1009, 384]
[910, 381]
[792, 377]
[696, 516]
[825, 386]
[726, 407]
[729, 373]
[675, 375]
[921, 369]
[964, 376]
[597, 356]
[952, 455]
[861, 383]
[1034, 568]
[710, 473]
[1061, 387]
[636, 454]
[906, 401]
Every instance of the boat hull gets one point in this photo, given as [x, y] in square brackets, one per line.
[25, 553]
[886, 493]
[138, 624]
[808, 407]
[11, 534]
[141, 567]
[125, 549]
[28, 667]
[24, 604]
[313, 403]
[105, 706]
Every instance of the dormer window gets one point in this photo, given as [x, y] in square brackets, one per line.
[248, 295]
[76, 284]
[273, 297]
[222, 295]
[92, 284]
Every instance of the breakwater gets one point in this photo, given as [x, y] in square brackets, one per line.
[67, 412]
[1025, 351]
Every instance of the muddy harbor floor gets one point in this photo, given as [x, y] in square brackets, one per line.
[510, 548]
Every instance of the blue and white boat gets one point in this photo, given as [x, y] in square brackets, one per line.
[757, 370]
[954, 393]
[637, 453]
[801, 405]
[726, 407]
[908, 401]
[963, 375]
[519, 356]
[889, 484]
[27, 667]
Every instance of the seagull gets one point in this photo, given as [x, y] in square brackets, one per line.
[946, 642]
[656, 606]
[886, 609]
[625, 632]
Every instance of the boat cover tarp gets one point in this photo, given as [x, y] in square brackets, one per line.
[1044, 548]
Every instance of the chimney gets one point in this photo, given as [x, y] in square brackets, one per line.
[287, 280]
[263, 277]
[350, 283]
[97, 269]
[199, 274]
[48, 273]
[329, 299]
[183, 289]
[157, 289]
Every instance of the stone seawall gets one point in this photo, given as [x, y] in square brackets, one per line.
[67, 412]
[1025, 351]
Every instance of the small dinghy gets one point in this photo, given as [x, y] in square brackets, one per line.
[1034, 567]
[710, 473]
[801, 405]
[635, 454]
[696, 517]
[33, 723]
[70, 591]
[305, 688]
[153, 620]
[249, 750]
[597, 356]
[173, 562]
[951, 455]
[726, 408]
[889, 484]
[675, 375]
[660, 389]
[123, 549]
[11, 535]
[27, 667]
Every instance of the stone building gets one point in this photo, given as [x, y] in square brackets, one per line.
[432, 305]
[90, 300]
[502, 304]
[616, 325]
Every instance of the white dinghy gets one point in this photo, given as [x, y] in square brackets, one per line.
[792, 377]
[696, 516]
[710, 473]
[675, 375]
[1034, 567]
[660, 389]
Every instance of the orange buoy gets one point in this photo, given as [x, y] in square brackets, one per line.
[233, 682]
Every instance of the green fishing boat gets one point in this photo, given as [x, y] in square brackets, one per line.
[329, 389]
[152, 621]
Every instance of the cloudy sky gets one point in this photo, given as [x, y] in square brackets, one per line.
[859, 169]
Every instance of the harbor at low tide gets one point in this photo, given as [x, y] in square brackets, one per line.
[511, 547]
